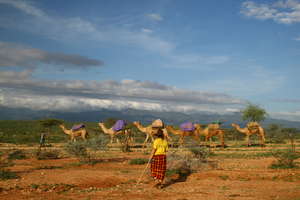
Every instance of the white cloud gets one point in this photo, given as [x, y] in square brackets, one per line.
[26, 7]
[155, 16]
[111, 94]
[145, 30]
[75, 103]
[291, 116]
[297, 39]
[284, 12]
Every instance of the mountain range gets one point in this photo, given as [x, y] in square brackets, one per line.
[131, 115]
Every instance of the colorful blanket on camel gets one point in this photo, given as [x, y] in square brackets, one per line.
[158, 167]
[187, 126]
[77, 127]
[119, 125]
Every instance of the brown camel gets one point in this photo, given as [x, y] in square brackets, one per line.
[112, 133]
[182, 134]
[212, 130]
[251, 129]
[149, 131]
[75, 133]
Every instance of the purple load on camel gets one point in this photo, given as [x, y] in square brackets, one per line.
[77, 127]
[187, 126]
[119, 125]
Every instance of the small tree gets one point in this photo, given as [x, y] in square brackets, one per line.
[254, 113]
[47, 124]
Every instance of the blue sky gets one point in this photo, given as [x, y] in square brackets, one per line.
[167, 55]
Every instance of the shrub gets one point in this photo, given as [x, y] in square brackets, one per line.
[17, 155]
[98, 143]
[49, 167]
[125, 140]
[202, 153]
[184, 163]
[7, 174]
[285, 159]
[47, 155]
[78, 149]
[138, 161]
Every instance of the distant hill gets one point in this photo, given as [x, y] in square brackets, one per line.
[130, 115]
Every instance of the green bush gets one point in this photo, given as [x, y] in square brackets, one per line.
[201, 153]
[78, 149]
[49, 167]
[138, 161]
[17, 155]
[47, 155]
[7, 174]
[285, 159]
[124, 139]
[98, 143]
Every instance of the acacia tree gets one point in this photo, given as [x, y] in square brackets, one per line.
[47, 124]
[254, 113]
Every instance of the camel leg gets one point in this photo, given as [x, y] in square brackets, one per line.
[206, 139]
[263, 139]
[248, 140]
[221, 138]
[111, 139]
[147, 137]
[211, 142]
[196, 137]
[181, 140]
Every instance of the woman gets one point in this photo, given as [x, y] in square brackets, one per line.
[159, 159]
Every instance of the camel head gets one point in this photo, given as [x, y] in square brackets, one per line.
[234, 125]
[168, 126]
[197, 126]
[136, 123]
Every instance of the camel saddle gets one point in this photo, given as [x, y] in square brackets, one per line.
[119, 125]
[77, 127]
[187, 126]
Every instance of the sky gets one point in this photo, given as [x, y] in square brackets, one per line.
[165, 55]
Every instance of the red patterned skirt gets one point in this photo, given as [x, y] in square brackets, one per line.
[158, 167]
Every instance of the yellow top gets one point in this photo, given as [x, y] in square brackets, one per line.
[161, 146]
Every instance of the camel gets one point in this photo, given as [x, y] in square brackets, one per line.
[212, 130]
[112, 133]
[75, 133]
[251, 129]
[149, 131]
[182, 134]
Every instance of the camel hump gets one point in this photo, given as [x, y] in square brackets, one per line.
[213, 126]
[253, 125]
[77, 127]
[158, 123]
[119, 125]
[187, 126]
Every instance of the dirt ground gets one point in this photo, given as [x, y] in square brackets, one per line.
[114, 178]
